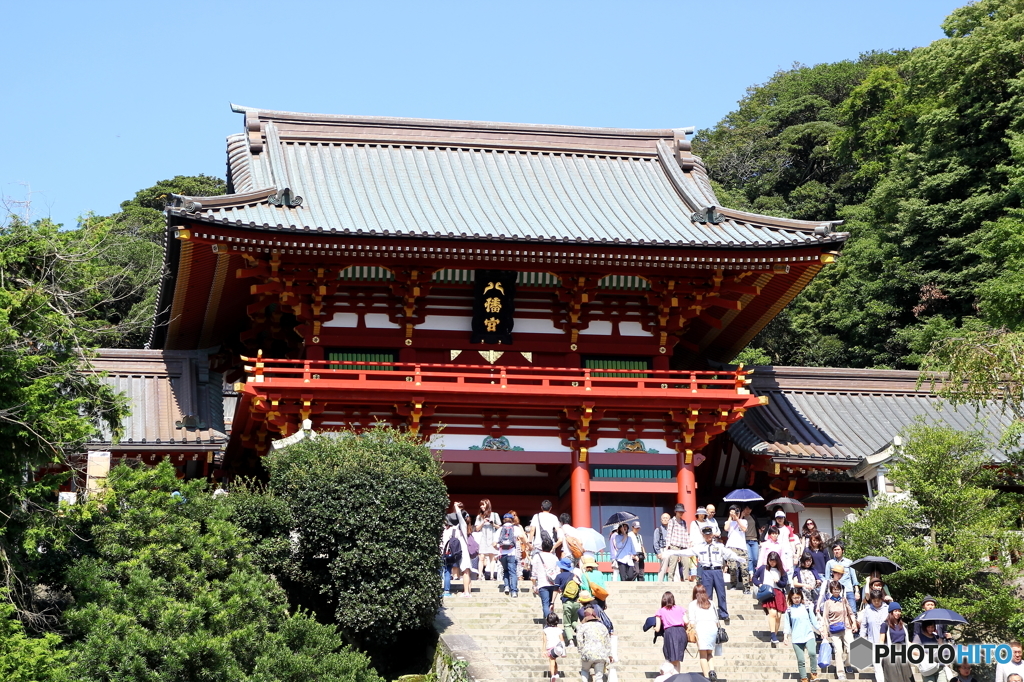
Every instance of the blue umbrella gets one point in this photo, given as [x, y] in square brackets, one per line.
[742, 495]
[941, 616]
[592, 540]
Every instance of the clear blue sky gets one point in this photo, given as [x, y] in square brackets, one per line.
[104, 98]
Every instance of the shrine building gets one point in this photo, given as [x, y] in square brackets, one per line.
[553, 306]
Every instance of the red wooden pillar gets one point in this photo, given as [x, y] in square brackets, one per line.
[579, 485]
[686, 483]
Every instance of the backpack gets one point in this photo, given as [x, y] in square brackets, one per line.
[507, 537]
[551, 537]
[572, 590]
[575, 545]
[453, 551]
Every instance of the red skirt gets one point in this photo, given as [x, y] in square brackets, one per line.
[778, 602]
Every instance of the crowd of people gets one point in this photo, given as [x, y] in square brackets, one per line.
[801, 578]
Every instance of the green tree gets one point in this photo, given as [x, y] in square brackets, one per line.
[366, 511]
[920, 153]
[24, 658]
[946, 532]
[164, 589]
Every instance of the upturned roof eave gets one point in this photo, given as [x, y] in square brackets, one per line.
[834, 240]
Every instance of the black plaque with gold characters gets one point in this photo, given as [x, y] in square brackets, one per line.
[494, 305]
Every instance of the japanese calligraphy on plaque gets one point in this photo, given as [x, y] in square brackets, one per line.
[494, 293]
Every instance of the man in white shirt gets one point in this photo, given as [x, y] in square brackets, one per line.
[565, 529]
[1015, 666]
[736, 540]
[711, 556]
[544, 523]
[716, 530]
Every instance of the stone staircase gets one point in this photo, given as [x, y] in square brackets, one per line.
[501, 637]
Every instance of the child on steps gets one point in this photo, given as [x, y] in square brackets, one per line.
[554, 643]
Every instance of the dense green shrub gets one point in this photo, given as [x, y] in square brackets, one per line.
[168, 591]
[367, 512]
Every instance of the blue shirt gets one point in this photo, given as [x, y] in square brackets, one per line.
[849, 579]
[798, 623]
[561, 581]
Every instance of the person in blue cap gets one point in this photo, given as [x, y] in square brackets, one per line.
[894, 632]
[567, 585]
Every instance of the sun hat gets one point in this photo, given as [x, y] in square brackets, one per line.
[680, 508]
[589, 562]
[565, 564]
[931, 599]
[636, 524]
[707, 529]
[839, 568]
[585, 596]
[701, 510]
[508, 516]
[895, 606]
[780, 514]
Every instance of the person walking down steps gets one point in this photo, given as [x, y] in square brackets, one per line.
[711, 557]
[800, 627]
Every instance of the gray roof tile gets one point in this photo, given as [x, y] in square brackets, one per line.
[839, 416]
[409, 177]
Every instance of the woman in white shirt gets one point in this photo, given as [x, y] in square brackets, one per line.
[704, 616]
[460, 529]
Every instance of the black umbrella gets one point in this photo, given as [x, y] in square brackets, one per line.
[619, 518]
[941, 616]
[870, 564]
[687, 677]
[788, 504]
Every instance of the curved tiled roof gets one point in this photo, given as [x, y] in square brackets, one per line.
[414, 177]
[840, 416]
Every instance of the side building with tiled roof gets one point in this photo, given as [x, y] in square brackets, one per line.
[825, 434]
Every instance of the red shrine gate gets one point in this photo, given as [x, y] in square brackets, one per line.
[547, 297]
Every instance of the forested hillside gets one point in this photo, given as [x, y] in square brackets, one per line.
[921, 152]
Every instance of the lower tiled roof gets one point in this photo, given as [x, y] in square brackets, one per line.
[175, 401]
[839, 416]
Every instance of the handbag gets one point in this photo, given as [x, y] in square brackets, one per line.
[836, 628]
[558, 650]
[764, 593]
[723, 636]
[691, 633]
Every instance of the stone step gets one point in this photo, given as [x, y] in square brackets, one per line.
[507, 633]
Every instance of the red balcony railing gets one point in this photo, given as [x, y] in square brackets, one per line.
[406, 377]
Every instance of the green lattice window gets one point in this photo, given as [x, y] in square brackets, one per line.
[633, 473]
[617, 363]
[362, 356]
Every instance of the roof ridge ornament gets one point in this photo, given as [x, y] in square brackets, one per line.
[188, 203]
[285, 197]
[683, 148]
[707, 215]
